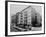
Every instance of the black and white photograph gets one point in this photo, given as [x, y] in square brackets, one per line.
[25, 18]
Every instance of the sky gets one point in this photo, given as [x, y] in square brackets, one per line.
[14, 8]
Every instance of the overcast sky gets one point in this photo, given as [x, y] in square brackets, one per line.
[18, 8]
